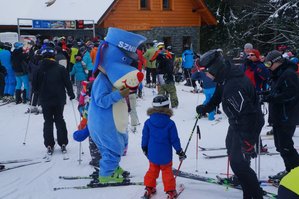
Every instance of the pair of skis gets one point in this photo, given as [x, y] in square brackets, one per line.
[26, 162]
[49, 155]
[217, 181]
[225, 155]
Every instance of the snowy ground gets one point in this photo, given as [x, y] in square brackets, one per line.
[37, 181]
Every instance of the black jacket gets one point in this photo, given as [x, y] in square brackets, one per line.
[239, 101]
[284, 95]
[51, 82]
[19, 62]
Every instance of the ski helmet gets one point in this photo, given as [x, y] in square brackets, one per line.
[48, 52]
[214, 63]
[7, 46]
[161, 101]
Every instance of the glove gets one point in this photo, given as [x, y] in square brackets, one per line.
[72, 96]
[248, 149]
[201, 110]
[81, 135]
[144, 149]
[125, 92]
[182, 155]
[266, 98]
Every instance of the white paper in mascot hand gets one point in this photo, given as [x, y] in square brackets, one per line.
[108, 110]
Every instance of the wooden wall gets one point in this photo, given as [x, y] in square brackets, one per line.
[126, 14]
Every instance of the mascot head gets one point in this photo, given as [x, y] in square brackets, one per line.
[115, 56]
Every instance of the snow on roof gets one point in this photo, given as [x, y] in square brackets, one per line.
[60, 10]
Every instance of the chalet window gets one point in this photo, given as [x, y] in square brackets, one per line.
[186, 42]
[144, 4]
[166, 4]
[167, 41]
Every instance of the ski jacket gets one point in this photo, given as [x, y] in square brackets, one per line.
[290, 182]
[5, 59]
[93, 54]
[148, 56]
[51, 81]
[78, 71]
[19, 64]
[187, 59]
[284, 95]
[61, 59]
[87, 60]
[239, 101]
[159, 135]
[258, 75]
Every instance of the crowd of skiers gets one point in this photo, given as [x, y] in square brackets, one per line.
[46, 73]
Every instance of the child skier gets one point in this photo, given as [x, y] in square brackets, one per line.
[80, 75]
[159, 135]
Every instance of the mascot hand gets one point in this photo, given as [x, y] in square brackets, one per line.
[125, 92]
[81, 135]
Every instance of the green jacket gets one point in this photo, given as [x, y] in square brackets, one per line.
[148, 55]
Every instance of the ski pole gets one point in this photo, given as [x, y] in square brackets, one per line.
[80, 145]
[197, 118]
[197, 148]
[29, 114]
[227, 168]
[259, 159]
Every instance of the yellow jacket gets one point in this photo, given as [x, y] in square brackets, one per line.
[291, 181]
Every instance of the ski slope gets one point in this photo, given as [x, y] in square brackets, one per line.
[37, 181]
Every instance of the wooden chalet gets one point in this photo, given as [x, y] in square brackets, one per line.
[176, 22]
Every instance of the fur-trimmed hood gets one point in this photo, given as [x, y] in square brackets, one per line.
[166, 111]
[159, 117]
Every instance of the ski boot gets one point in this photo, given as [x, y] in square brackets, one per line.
[120, 172]
[63, 148]
[278, 176]
[94, 163]
[112, 179]
[95, 174]
[172, 194]
[149, 192]
[50, 150]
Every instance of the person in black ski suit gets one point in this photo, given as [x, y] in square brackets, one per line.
[51, 81]
[283, 101]
[241, 105]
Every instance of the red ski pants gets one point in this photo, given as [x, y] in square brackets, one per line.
[167, 176]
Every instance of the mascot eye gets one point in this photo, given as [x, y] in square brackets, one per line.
[124, 59]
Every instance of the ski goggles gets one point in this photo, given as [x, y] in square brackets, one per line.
[268, 64]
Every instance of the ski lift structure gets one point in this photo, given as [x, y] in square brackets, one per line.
[55, 25]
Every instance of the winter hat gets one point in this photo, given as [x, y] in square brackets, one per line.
[18, 45]
[256, 53]
[248, 46]
[161, 101]
[274, 56]
[295, 60]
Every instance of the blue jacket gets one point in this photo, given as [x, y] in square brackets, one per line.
[187, 59]
[78, 71]
[159, 135]
[87, 60]
[206, 81]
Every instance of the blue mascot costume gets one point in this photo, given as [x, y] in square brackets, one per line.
[108, 109]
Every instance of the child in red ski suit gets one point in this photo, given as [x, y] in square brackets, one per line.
[159, 135]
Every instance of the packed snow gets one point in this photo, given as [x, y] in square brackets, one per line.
[37, 181]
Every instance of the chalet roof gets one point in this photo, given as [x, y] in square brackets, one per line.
[60, 10]
[72, 10]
